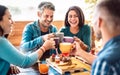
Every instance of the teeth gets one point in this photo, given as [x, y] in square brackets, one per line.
[48, 22]
[73, 22]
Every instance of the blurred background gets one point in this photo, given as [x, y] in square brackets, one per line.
[25, 10]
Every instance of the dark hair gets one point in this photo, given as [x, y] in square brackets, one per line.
[1, 31]
[113, 8]
[47, 5]
[2, 13]
[80, 14]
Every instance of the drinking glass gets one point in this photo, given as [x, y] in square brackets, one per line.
[68, 39]
[43, 68]
[60, 35]
[65, 48]
[57, 41]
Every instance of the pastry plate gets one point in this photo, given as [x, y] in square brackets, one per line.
[76, 66]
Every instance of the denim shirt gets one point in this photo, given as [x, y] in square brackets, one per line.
[108, 60]
[32, 38]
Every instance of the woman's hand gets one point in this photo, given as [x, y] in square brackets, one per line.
[81, 43]
[13, 70]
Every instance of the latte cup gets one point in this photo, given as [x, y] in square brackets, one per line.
[60, 35]
[68, 39]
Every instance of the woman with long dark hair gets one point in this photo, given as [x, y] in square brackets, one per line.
[74, 25]
[8, 53]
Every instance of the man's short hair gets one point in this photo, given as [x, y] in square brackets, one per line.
[47, 5]
[112, 7]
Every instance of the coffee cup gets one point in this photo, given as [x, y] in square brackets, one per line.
[60, 35]
[68, 39]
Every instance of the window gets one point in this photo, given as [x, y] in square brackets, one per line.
[25, 10]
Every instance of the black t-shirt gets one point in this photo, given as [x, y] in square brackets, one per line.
[47, 53]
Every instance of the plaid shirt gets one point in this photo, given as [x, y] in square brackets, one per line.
[108, 60]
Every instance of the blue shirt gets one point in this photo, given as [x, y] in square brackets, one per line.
[32, 37]
[10, 55]
[108, 60]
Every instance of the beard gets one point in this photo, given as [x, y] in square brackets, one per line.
[46, 24]
[98, 35]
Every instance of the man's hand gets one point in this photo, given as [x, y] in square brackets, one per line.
[13, 70]
[77, 48]
[49, 44]
[48, 36]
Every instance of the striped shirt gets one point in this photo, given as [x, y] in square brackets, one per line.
[108, 60]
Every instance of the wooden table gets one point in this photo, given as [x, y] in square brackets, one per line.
[79, 67]
[30, 71]
[52, 71]
[81, 73]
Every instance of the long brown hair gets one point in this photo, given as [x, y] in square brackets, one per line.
[2, 13]
[80, 14]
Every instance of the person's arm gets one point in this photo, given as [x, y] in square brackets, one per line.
[85, 55]
[13, 70]
[29, 42]
[81, 43]
[10, 54]
[87, 37]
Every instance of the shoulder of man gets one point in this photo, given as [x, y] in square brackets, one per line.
[53, 28]
[112, 54]
[34, 23]
[31, 24]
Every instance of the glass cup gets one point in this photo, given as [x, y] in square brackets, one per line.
[43, 68]
[68, 39]
[60, 35]
[57, 41]
[65, 48]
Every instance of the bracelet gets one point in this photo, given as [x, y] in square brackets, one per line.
[43, 50]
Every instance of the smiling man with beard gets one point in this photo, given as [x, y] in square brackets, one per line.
[35, 33]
